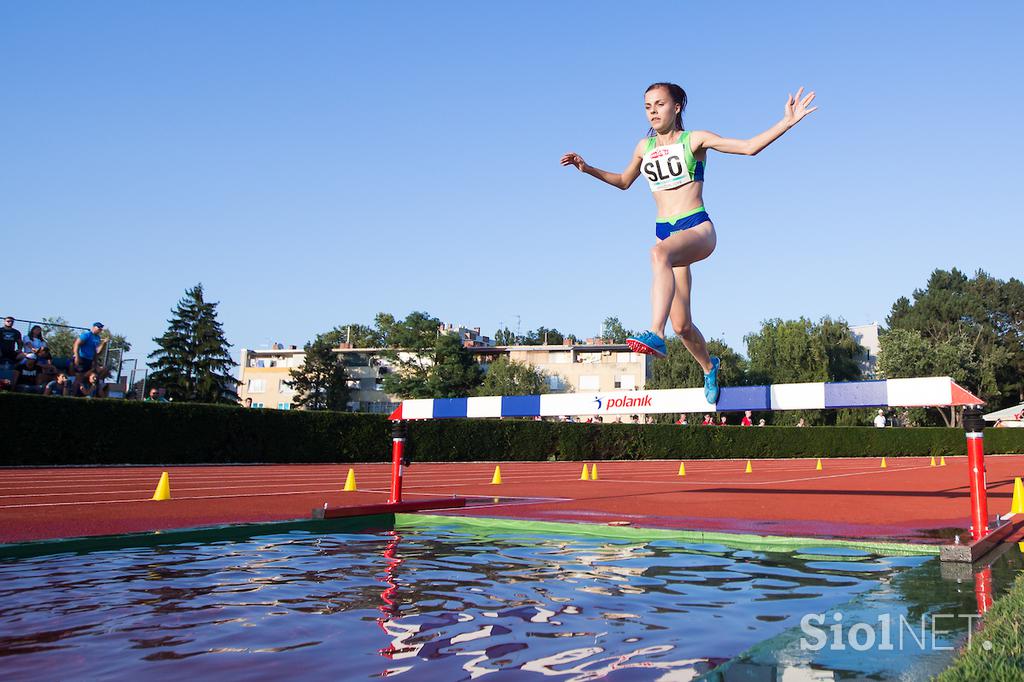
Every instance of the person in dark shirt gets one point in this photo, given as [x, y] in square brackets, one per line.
[10, 342]
[28, 372]
[93, 386]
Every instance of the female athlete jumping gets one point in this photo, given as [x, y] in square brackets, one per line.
[672, 159]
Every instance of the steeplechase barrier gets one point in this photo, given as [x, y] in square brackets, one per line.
[898, 393]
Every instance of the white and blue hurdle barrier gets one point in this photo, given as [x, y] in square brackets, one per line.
[916, 392]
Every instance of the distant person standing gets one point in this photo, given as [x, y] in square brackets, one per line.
[722, 421]
[87, 346]
[682, 420]
[880, 420]
[760, 422]
[801, 423]
[746, 419]
[10, 342]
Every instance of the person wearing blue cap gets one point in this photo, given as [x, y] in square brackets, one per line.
[87, 346]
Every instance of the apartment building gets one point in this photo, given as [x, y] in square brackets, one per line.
[265, 373]
[569, 368]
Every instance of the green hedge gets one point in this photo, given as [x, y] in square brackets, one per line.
[41, 430]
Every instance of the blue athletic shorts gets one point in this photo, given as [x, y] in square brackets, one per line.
[666, 226]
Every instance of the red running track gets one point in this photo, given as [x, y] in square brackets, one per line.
[909, 501]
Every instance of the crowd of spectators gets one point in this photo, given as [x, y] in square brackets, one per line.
[26, 363]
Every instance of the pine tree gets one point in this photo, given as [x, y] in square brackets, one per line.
[193, 361]
[321, 383]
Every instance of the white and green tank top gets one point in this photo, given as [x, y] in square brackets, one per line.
[671, 165]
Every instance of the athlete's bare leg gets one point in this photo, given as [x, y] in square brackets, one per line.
[679, 249]
[682, 321]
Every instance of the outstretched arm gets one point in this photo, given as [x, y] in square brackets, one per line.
[796, 109]
[621, 180]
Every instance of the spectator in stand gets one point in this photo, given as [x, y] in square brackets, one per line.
[682, 420]
[880, 420]
[760, 422]
[708, 420]
[722, 422]
[45, 363]
[10, 347]
[58, 386]
[28, 372]
[801, 423]
[248, 402]
[87, 347]
[746, 419]
[32, 346]
[93, 386]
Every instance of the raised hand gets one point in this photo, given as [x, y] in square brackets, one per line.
[573, 159]
[797, 108]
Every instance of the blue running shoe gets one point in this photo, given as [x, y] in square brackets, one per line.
[647, 343]
[711, 382]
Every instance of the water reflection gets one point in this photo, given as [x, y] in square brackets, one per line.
[445, 602]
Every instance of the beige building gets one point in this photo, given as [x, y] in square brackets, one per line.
[264, 374]
[569, 368]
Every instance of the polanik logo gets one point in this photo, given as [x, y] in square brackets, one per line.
[623, 402]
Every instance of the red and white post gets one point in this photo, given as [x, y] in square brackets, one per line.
[397, 460]
[973, 426]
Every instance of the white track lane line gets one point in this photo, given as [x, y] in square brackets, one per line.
[80, 477]
[755, 483]
[216, 497]
[195, 497]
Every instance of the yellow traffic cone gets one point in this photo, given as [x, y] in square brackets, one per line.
[817, 467]
[163, 488]
[496, 479]
[1017, 506]
[749, 469]
[884, 466]
[682, 469]
[585, 475]
[593, 472]
[942, 461]
[933, 462]
[350, 482]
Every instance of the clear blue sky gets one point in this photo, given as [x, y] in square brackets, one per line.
[314, 163]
